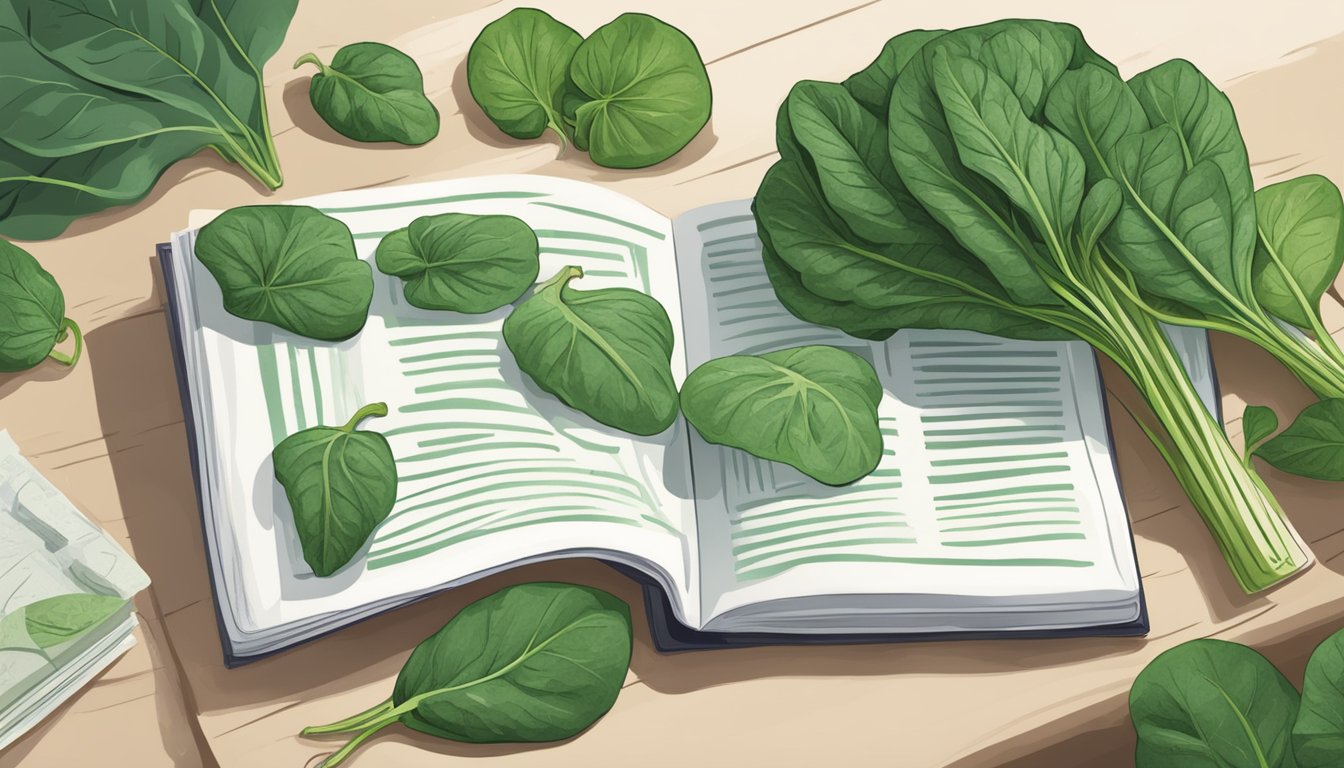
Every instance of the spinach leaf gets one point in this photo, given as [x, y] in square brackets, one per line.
[517, 69]
[1099, 209]
[1212, 704]
[461, 262]
[291, 266]
[341, 483]
[60, 619]
[642, 92]
[1300, 248]
[871, 86]
[32, 313]
[530, 663]
[1257, 424]
[1313, 445]
[1318, 734]
[606, 352]
[1095, 109]
[813, 408]
[372, 92]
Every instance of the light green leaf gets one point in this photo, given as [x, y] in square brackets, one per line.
[291, 266]
[372, 92]
[517, 69]
[1257, 424]
[462, 262]
[1300, 247]
[1313, 445]
[341, 483]
[58, 620]
[606, 352]
[813, 408]
[1318, 733]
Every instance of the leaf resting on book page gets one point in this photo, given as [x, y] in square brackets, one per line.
[461, 262]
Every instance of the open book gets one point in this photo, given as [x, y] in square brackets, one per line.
[995, 508]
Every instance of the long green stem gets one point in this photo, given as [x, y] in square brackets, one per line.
[352, 723]
[372, 409]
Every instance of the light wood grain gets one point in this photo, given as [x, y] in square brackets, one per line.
[110, 432]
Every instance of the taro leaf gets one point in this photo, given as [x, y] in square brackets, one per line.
[642, 92]
[61, 619]
[1301, 246]
[32, 312]
[372, 92]
[1099, 208]
[341, 483]
[291, 266]
[871, 86]
[517, 69]
[1212, 704]
[813, 408]
[462, 262]
[1257, 424]
[606, 352]
[1318, 734]
[1094, 108]
[1313, 445]
[529, 663]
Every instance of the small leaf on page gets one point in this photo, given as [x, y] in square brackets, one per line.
[462, 262]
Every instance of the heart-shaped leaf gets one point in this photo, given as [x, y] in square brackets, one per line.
[32, 313]
[814, 408]
[372, 92]
[1313, 445]
[516, 71]
[461, 262]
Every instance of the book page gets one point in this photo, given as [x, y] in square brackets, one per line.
[492, 470]
[995, 482]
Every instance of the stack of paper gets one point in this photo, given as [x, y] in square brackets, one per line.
[65, 590]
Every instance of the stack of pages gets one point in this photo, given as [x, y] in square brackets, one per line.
[65, 596]
[996, 507]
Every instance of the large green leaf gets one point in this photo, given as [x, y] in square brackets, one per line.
[461, 262]
[813, 408]
[1300, 248]
[606, 352]
[372, 92]
[1212, 704]
[871, 86]
[291, 266]
[1318, 733]
[32, 310]
[642, 92]
[253, 28]
[1095, 109]
[517, 70]
[1313, 445]
[341, 483]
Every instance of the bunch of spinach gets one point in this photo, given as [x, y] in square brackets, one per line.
[1219, 704]
[533, 662]
[632, 94]
[1004, 179]
[372, 92]
[98, 98]
[341, 483]
[32, 314]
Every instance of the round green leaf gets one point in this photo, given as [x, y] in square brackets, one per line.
[291, 266]
[373, 92]
[462, 262]
[1212, 704]
[32, 309]
[607, 353]
[814, 408]
[643, 92]
[516, 72]
[341, 483]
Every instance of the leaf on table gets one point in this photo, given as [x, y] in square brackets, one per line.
[1313, 445]
[291, 266]
[32, 310]
[813, 408]
[462, 262]
[1257, 424]
[606, 352]
[517, 69]
[372, 92]
[1318, 733]
[1300, 248]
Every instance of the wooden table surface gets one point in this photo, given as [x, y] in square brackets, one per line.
[110, 431]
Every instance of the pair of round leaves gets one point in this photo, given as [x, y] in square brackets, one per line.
[32, 313]
[632, 94]
[372, 92]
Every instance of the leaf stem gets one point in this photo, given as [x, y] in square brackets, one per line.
[375, 726]
[67, 328]
[311, 58]
[352, 723]
[372, 409]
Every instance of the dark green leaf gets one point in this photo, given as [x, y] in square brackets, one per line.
[644, 92]
[254, 29]
[1094, 108]
[1257, 424]
[1313, 445]
[461, 262]
[341, 483]
[291, 266]
[1300, 248]
[1318, 734]
[372, 92]
[813, 408]
[606, 352]
[871, 86]
[32, 310]
[517, 70]
[1212, 704]
[1100, 206]
[61, 619]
